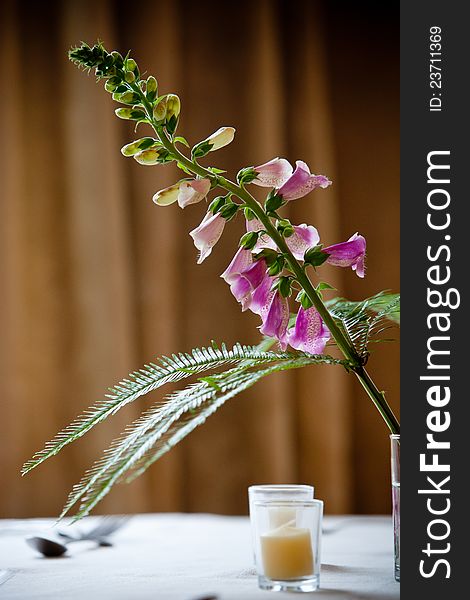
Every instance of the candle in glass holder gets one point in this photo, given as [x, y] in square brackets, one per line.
[287, 553]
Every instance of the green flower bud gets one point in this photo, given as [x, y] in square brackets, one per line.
[130, 64]
[270, 256]
[152, 88]
[285, 228]
[200, 150]
[151, 84]
[315, 257]
[173, 107]
[138, 146]
[128, 97]
[129, 77]
[249, 214]
[217, 204]
[159, 112]
[152, 156]
[304, 300]
[273, 202]
[229, 211]
[246, 175]
[120, 89]
[112, 84]
[277, 265]
[117, 59]
[131, 114]
[248, 241]
[105, 71]
[284, 286]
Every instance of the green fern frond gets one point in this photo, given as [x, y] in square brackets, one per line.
[367, 319]
[165, 424]
[220, 380]
[152, 376]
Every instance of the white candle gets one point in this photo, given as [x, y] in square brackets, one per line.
[287, 553]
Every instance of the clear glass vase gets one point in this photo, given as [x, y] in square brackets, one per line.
[395, 442]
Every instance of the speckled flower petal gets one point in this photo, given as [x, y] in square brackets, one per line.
[241, 289]
[310, 334]
[262, 296]
[276, 319]
[191, 192]
[303, 238]
[207, 234]
[264, 241]
[242, 261]
[348, 254]
[273, 173]
[302, 182]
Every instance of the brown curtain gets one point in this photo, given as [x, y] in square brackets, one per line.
[96, 280]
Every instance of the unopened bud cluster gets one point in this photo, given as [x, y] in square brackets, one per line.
[124, 83]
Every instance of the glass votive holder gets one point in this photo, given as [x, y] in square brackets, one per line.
[287, 544]
[274, 491]
[278, 491]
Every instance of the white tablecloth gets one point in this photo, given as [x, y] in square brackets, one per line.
[189, 556]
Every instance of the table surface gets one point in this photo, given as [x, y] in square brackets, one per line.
[189, 557]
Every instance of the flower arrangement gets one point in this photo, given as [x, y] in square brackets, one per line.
[270, 271]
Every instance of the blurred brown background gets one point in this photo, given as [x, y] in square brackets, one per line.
[96, 280]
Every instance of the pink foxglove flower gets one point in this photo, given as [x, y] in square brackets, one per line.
[301, 183]
[242, 291]
[348, 254]
[262, 296]
[191, 192]
[310, 334]
[264, 241]
[207, 234]
[273, 173]
[304, 237]
[275, 318]
[220, 138]
[244, 275]
[167, 196]
[247, 282]
[242, 261]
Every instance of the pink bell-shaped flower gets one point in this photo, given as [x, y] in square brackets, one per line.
[273, 173]
[191, 192]
[348, 254]
[310, 334]
[207, 234]
[301, 182]
[275, 317]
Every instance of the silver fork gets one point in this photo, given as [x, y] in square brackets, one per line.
[105, 527]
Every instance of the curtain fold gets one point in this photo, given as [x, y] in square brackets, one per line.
[96, 280]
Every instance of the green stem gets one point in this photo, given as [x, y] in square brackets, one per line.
[344, 344]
